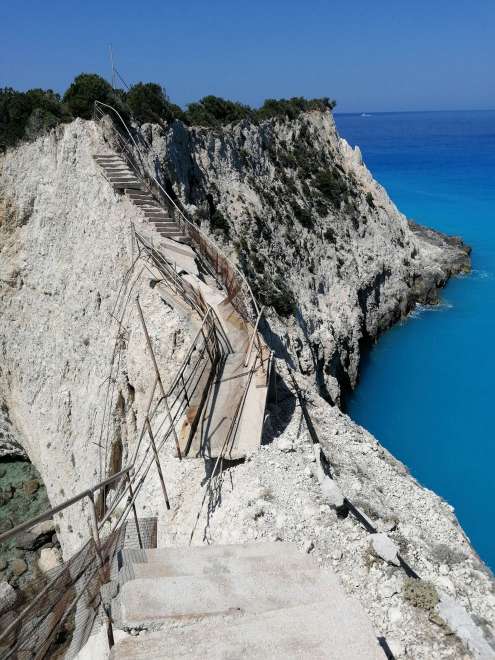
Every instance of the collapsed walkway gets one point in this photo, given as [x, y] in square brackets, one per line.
[232, 413]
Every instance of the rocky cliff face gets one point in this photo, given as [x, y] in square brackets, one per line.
[72, 381]
[334, 262]
[325, 249]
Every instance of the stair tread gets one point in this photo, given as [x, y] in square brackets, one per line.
[206, 566]
[304, 632]
[260, 549]
[144, 601]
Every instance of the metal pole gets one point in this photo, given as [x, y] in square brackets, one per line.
[159, 378]
[96, 538]
[136, 521]
[113, 68]
[157, 461]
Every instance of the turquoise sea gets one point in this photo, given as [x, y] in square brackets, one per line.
[427, 388]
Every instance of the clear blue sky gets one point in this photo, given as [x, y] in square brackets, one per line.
[374, 56]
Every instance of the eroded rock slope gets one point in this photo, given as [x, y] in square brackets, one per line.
[325, 249]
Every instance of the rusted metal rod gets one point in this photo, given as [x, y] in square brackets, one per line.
[157, 461]
[255, 332]
[133, 504]
[158, 377]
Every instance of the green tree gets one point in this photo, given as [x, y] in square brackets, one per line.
[84, 91]
[148, 102]
[215, 111]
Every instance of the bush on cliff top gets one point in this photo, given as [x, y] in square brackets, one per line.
[148, 102]
[25, 115]
[28, 114]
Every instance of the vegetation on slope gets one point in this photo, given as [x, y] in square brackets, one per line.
[25, 115]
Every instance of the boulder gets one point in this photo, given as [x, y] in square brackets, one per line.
[332, 493]
[18, 566]
[285, 445]
[30, 487]
[385, 548]
[7, 597]
[50, 558]
[37, 536]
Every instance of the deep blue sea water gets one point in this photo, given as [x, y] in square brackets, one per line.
[427, 388]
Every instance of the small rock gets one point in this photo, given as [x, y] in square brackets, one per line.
[386, 525]
[337, 554]
[285, 445]
[446, 583]
[311, 511]
[308, 472]
[396, 647]
[384, 548]
[30, 487]
[18, 566]
[49, 559]
[394, 614]
[309, 546]
[6, 494]
[388, 589]
[7, 597]
[332, 493]
[444, 569]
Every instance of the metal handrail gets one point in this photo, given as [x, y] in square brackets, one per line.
[89, 492]
[192, 228]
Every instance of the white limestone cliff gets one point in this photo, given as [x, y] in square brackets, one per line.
[65, 248]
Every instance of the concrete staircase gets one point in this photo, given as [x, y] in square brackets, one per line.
[259, 600]
[123, 179]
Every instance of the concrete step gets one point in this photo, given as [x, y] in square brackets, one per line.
[105, 158]
[207, 566]
[123, 185]
[145, 201]
[306, 632]
[121, 179]
[151, 601]
[172, 246]
[143, 195]
[156, 215]
[221, 552]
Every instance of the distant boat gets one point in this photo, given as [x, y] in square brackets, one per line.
[365, 114]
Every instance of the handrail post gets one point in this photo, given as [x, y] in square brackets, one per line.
[159, 378]
[157, 461]
[136, 521]
[96, 538]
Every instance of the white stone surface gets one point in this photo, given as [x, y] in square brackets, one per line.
[7, 597]
[50, 558]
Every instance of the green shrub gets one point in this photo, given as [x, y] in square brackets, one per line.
[303, 215]
[369, 199]
[420, 593]
[84, 91]
[219, 222]
[149, 103]
[28, 114]
[292, 108]
[332, 185]
[214, 111]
